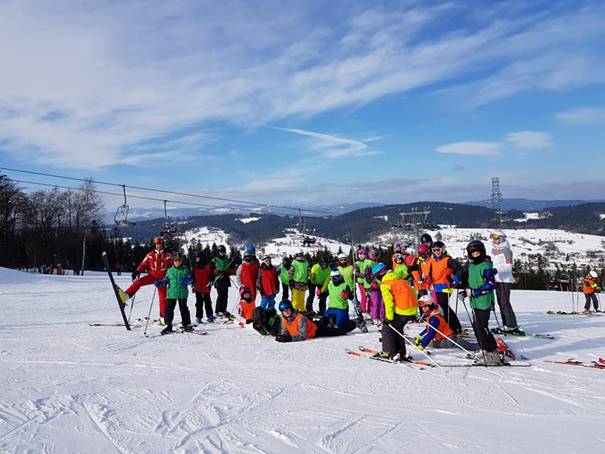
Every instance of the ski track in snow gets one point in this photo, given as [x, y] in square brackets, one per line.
[69, 387]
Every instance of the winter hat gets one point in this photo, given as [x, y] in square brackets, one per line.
[497, 234]
[425, 238]
[362, 250]
[397, 246]
[476, 246]
[373, 254]
[250, 250]
[285, 304]
[593, 274]
[222, 248]
[423, 248]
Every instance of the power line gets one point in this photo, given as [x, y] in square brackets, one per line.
[163, 191]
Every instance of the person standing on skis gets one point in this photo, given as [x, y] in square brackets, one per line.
[502, 258]
[203, 272]
[362, 266]
[318, 285]
[268, 283]
[590, 288]
[177, 280]
[439, 274]
[222, 270]
[247, 272]
[155, 264]
[284, 277]
[299, 278]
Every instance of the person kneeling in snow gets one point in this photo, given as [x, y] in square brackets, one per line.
[438, 333]
[295, 326]
[266, 321]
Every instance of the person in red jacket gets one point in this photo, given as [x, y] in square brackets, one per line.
[247, 272]
[268, 283]
[203, 273]
[155, 264]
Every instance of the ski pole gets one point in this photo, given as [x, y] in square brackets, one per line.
[475, 329]
[131, 307]
[450, 339]
[149, 314]
[496, 315]
[414, 345]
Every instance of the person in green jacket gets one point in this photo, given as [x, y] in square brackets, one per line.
[320, 277]
[479, 283]
[339, 295]
[284, 277]
[363, 266]
[299, 278]
[346, 269]
[223, 269]
[178, 278]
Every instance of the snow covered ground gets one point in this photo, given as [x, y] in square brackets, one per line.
[68, 387]
[205, 235]
[292, 241]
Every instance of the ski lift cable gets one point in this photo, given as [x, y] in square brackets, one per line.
[142, 188]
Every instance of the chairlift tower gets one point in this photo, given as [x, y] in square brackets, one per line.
[496, 198]
[412, 223]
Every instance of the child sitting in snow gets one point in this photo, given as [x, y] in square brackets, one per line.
[246, 304]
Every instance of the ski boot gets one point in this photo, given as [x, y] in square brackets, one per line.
[123, 295]
[198, 321]
[167, 330]
[210, 319]
[187, 328]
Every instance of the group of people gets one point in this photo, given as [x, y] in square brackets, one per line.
[417, 282]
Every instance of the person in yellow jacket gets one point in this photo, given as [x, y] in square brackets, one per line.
[401, 306]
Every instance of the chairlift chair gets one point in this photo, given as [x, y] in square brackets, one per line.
[121, 216]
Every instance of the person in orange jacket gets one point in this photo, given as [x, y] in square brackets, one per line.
[246, 304]
[590, 288]
[296, 326]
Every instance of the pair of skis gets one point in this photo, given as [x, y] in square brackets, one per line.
[594, 364]
[587, 314]
[501, 332]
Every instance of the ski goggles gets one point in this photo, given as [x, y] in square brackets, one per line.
[494, 236]
[438, 250]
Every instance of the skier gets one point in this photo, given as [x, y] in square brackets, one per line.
[247, 272]
[284, 268]
[590, 288]
[397, 249]
[400, 306]
[295, 326]
[339, 295]
[266, 321]
[362, 266]
[439, 273]
[479, 282]
[155, 264]
[318, 284]
[399, 266]
[223, 268]
[298, 280]
[246, 304]
[177, 280]
[437, 332]
[375, 301]
[346, 270]
[502, 258]
[267, 283]
[202, 273]
[425, 238]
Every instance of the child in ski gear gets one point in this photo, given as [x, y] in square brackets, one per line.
[399, 267]
[437, 332]
[339, 295]
[590, 288]
[376, 304]
[400, 306]
[361, 268]
[246, 304]
[479, 283]
[223, 268]
[284, 278]
[502, 259]
[266, 321]
[346, 269]
[202, 274]
[176, 281]
[268, 283]
[247, 272]
[318, 284]
[155, 264]
[439, 274]
[295, 326]
[299, 277]
[425, 238]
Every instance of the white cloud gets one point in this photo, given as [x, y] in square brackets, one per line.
[583, 115]
[89, 83]
[529, 139]
[471, 148]
[335, 147]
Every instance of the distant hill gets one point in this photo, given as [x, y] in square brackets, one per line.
[531, 205]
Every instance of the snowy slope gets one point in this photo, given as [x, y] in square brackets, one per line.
[71, 388]
[292, 241]
[205, 235]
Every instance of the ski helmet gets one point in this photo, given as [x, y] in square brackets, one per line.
[423, 249]
[362, 250]
[593, 274]
[410, 251]
[497, 235]
[398, 256]
[439, 245]
[425, 238]
[266, 258]
[324, 260]
[250, 250]
[379, 270]
[373, 254]
[397, 246]
[222, 249]
[177, 257]
[299, 253]
[243, 290]
[426, 300]
[336, 277]
[285, 304]
[342, 256]
[158, 239]
[473, 247]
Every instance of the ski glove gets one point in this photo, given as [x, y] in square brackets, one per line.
[485, 288]
[318, 291]
[161, 282]
[489, 273]
[420, 347]
[456, 281]
[185, 281]
[417, 340]
[386, 322]
[135, 275]
[283, 338]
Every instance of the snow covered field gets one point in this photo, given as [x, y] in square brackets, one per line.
[69, 387]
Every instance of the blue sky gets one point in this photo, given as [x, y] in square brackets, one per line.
[319, 102]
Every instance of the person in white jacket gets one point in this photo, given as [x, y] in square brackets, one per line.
[502, 259]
